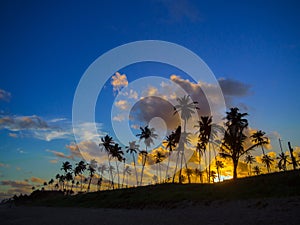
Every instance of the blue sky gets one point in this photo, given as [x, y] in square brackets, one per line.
[46, 46]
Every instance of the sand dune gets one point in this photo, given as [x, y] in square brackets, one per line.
[258, 211]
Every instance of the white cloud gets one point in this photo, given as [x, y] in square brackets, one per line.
[119, 81]
[122, 104]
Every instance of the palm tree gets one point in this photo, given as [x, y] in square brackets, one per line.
[148, 135]
[79, 170]
[108, 144]
[111, 169]
[117, 153]
[187, 108]
[282, 161]
[101, 169]
[92, 171]
[219, 167]
[234, 139]
[69, 177]
[127, 172]
[268, 161]
[189, 172]
[133, 148]
[259, 138]
[159, 157]
[199, 173]
[256, 170]
[249, 159]
[213, 175]
[51, 183]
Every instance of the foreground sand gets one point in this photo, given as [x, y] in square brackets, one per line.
[258, 211]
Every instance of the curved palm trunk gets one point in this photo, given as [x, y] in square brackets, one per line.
[89, 186]
[144, 159]
[199, 168]
[118, 173]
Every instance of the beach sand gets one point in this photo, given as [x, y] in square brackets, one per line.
[244, 212]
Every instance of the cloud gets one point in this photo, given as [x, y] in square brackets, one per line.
[119, 117]
[15, 123]
[57, 120]
[119, 81]
[13, 135]
[61, 154]
[37, 180]
[15, 184]
[122, 104]
[4, 165]
[5, 95]
[54, 161]
[50, 134]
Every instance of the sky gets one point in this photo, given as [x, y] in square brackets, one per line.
[252, 48]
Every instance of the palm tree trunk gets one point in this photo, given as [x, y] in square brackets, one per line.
[110, 171]
[178, 153]
[136, 175]
[168, 165]
[118, 174]
[235, 164]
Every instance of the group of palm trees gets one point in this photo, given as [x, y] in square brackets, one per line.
[215, 144]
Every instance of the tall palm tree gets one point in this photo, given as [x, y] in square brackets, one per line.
[133, 148]
[219, 167]
[259, 138]
[148, 134]
[117, 153]
[92, 171]
[233, 144]
[213, 175]
[108, 143]
[51, 183]
[67, 168]
[187, 108]
[159, 157]
[268, 161]
[79, 170]
[249, 159]
[126, 172]
[256, 170]
[68, 177]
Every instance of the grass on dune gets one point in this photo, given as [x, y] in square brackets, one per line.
[281, 184]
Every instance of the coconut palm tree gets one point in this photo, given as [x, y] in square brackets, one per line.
[148, 134]
[127, 172]
[132, 149]
[256, 170]
[187, 108]
[199, 173]
[92, 171]
[117, 153]
[79, 170]
[268, 161]
[159, 157]
[259, 138]
[68, 177]
[219, 167]
[213, 175]
[51, 184]
[249, 159]
[233, 144]
[189, 172]
[108, 143]
[282, 161]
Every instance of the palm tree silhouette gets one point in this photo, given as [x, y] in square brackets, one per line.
[189, 172]
[234, 139]
[133, 148]
[108, 144]
[187, 108]
[259, 138]
[282, 161]
[117, 153]
[256, 170]
[249, 159]
[159, 157]
[268, 161]
[79, 170]
[148, 135]
[213, 175]
[219, 167]
[67, 168]
[92, 171]
[199, 173]
[51, 183]
[101, 169]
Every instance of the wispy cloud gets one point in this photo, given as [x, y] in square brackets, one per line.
[4, 165]
[17, 123]
[60, 154]
[5, 95]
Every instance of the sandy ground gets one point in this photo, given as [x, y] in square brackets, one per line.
[256, 212]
